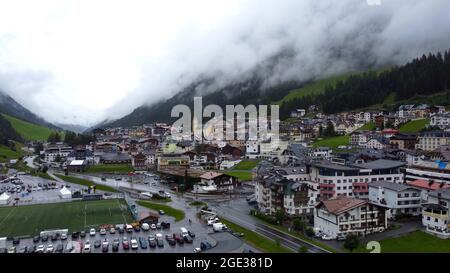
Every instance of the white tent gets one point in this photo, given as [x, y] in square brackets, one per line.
[65, 193]
[4, 199]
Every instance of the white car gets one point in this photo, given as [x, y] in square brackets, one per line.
[102, 231]
[153, 226]
[197, 250]
[134, 243]
[326, 237]
[40, 249]
[212, 221]
[145, 227]
[64, 236]
[92, 232]
[49, 248]
[167, 195]
[87, 246]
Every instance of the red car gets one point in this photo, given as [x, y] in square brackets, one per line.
[178, 238]
[125, 243]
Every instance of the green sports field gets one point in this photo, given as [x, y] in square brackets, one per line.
[76, 216]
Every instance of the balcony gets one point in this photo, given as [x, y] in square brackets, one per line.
[436, 214]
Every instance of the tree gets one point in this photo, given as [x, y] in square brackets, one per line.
[299, 225]
[329, 130]
[320, 130]
[351, 242]
[309, 232]
[280, 215]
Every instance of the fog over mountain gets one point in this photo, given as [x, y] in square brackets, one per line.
[80, 62]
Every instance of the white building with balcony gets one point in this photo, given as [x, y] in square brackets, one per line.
[343, 215]
[435, 214]
[398, 199]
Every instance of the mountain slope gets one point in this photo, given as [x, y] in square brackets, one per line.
[427, 76]
[12, 108]
[27, 130]
[7, 132]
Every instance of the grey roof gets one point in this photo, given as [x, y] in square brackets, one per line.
[391, 186]
[380, 164]
[291, 170]
[336, 167]
[441, 193]
[115, 156]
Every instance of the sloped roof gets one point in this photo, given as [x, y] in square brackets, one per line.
[341, 204]
[210, 175]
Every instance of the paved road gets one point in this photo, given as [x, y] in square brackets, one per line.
[238, 210]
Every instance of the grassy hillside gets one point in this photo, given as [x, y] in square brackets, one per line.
[6, 153]
[314, 88]
[29, 131]
[332, 142]
[370, 126]
[414, 126]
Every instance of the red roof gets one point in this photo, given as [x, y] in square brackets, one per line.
[424, 184]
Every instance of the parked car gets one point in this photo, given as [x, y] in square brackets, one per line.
[129, 228]
[59, 248]
[327, 237]
[36, 239]
[158, 226]
[341, 237]
[115, 245]
[102, 231]
[143, 242]
[153, 226]
[87, 246]
[178, 238]
[12, 249]
[75, 235]
[16, 241]
[125, 243]
[31, 249]
[159, 240]
[54, 237]
[191, 233]
[161, 212]
[49, 249]
[188, 239]
[137, 228]
[105, 246]
[63, 236]
[82, 234]
[92, 232]
[204, 245]
[165, 224]
[171, 240]
[112, 231]
[145, 226]
[134, 243]
[97, 243]
[40, 249]
[152, 241]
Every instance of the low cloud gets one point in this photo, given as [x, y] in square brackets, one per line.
[84, 61]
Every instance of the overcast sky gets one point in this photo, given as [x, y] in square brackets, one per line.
[84, 61]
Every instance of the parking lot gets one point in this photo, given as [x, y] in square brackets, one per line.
[32, 189]
[40, 194]
[200, 231]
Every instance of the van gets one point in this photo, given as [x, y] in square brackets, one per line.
[129, 228]
[217, 227]
[184, 232]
